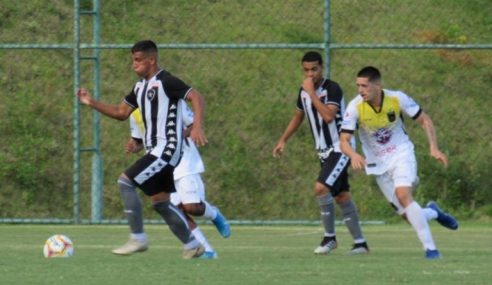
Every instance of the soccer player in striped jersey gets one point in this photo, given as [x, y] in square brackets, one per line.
[158, 95]
[377, 113]
[190, 189]
[321, 101]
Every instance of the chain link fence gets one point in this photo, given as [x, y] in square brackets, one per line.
[244, 57]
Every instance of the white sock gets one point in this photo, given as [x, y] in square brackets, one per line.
[202, 239]
[419, 223]
[141, 237]
[192, 244]
[210, 211]
[429, 214]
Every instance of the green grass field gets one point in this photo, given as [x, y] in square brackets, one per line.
[253, 255]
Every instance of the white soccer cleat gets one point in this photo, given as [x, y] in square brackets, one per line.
[193, 252]
[328, 244]
[131, 246]
[359, 248]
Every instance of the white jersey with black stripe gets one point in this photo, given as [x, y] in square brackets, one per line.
[325, 135]
[158, 99]
[191, 161]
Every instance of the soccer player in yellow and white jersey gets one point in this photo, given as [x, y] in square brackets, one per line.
[389, 154]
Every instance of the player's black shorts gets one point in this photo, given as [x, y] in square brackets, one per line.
[334, 174]
[152, 174]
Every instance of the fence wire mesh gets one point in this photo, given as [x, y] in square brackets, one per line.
[244, 56]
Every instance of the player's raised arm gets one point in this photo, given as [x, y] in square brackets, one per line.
[118, 112]
[327, 111]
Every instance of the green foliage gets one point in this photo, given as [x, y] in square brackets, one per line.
[250, 95]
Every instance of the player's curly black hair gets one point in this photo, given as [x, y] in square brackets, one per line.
[311, 56]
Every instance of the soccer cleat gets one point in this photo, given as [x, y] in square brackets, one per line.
[359, 248]
[209, 255]
[445, 219]
[222, 225]
[432, 254]
[193, 252]
[326, 246]
[131, 246]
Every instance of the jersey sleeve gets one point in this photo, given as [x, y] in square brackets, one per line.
[408, 105]
[350, 118]
[175, 88]
[131, 99]
[335, 94]
[299, 105]
[187, 114]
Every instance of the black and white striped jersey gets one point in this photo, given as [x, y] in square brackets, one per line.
[325, 135]
[158, 99]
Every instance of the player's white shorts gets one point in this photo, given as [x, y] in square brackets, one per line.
[403, 173]
[189, 190]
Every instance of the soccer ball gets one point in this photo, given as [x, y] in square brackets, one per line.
[58, 246]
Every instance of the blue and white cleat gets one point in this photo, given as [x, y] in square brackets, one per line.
[209, 255]
[432, 254]
[222, 225]
[445, 219]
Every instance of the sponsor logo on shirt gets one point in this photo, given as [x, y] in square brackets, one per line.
[382, 135]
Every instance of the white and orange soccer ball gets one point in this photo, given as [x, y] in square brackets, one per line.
[58, 246]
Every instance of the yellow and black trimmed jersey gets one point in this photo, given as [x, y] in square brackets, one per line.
[381, 132]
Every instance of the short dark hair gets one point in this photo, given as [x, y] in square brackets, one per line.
[311, 56]
[144, 46]
[370, 72]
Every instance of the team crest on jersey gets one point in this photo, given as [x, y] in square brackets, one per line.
[382, 135]
[391, 116]
[151, 94]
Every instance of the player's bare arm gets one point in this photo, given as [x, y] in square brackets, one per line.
[358, 161]
[328, 112]
[198, 105]
[119, 112]
[426, 122]
[289, 131]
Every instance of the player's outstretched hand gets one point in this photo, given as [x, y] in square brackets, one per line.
[84, 96]
[278, 150]
[358, 161]
[198, 136]
[439, 156]
[133, 146]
